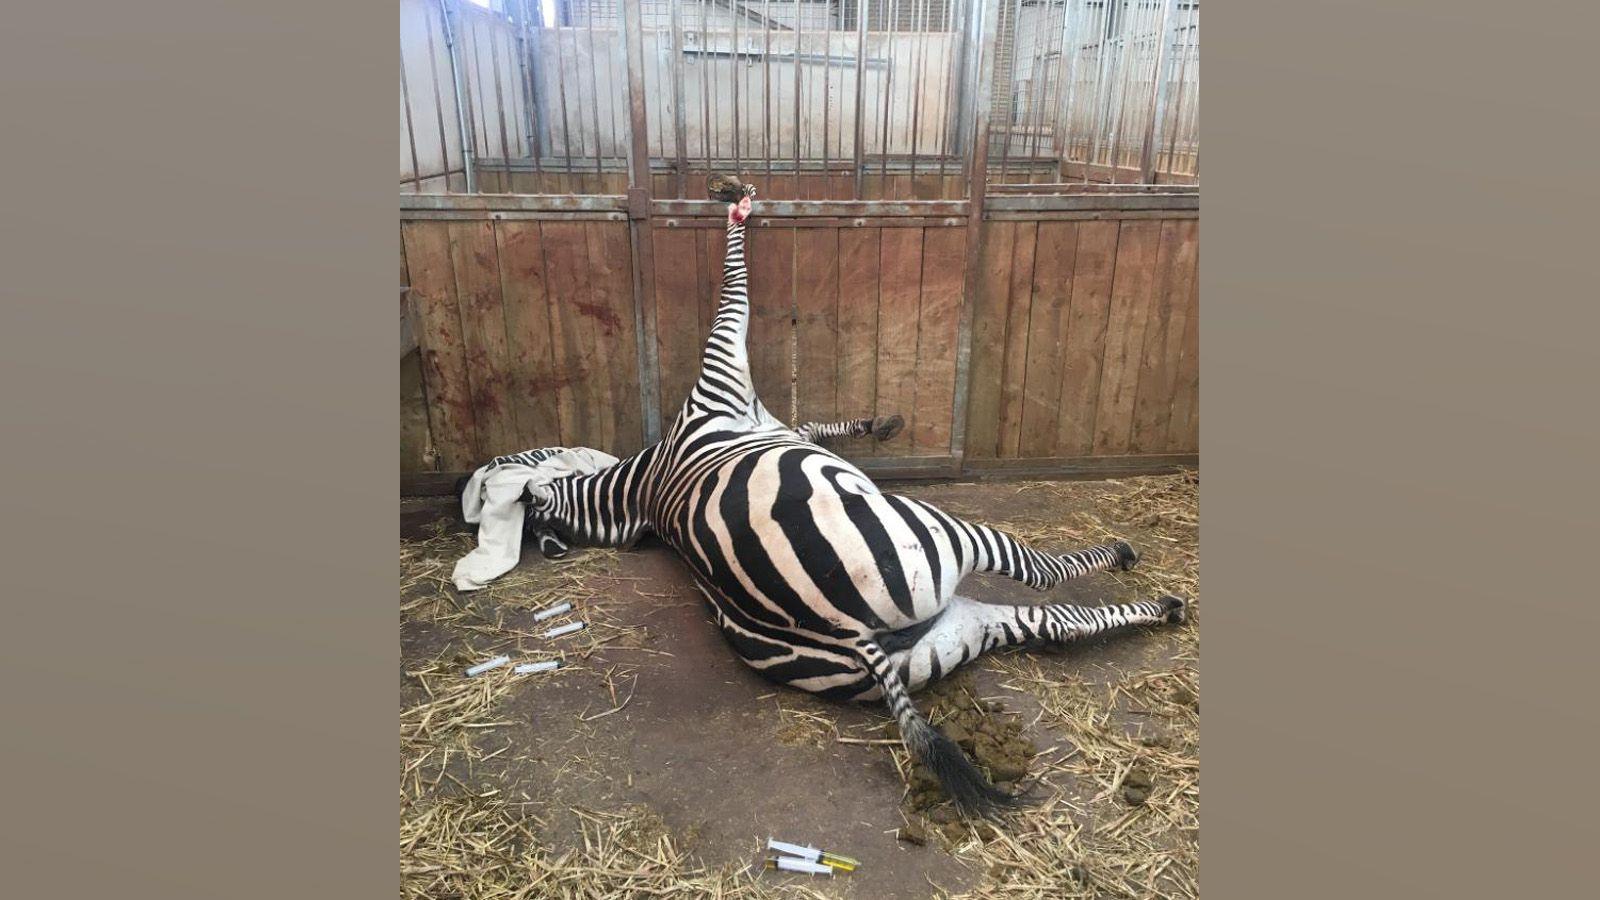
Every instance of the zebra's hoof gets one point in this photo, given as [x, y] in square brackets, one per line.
[1127, 557]
[884, 428]
[1177, 611]
[727, 188]
[550, 548]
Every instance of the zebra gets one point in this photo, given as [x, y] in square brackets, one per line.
[817, 579]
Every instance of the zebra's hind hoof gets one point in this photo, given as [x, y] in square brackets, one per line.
[1127, 557]
[727, 188]
[884, 428]
[1177, 610]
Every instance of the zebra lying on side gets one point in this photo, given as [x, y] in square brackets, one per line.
[817, 579]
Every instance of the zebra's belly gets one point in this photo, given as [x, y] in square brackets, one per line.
[788, 537]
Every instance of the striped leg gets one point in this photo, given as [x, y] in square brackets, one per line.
[882, 427]
[725, 365]
[986, 549]
[966, 629]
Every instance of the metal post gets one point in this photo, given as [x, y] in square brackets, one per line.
[680, 129]
[978, 185]
[1158, 93]
[529, 86]
[468, 162]
[644, 308]
[861, 89]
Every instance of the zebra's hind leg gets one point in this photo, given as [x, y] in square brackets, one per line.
[958, 777]
[882, 427]
[966, 629]
[987, 549]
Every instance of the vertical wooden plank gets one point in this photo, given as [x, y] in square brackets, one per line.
[1086, 332]
[943, 270]
[857, 365]
[1130, 306]
[816, 292]
[989, 339]
[1014, 363]
[899, 295]
[1163, 337]
[1183, 432]
[581, 395]
[778, 187]
[1048, 319]
[535, 380]
[444, 360]
[414, 437]
[770, 255]
[483, 331]
[616, 331]
[680, 293]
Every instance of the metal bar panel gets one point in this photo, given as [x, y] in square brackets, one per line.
[977, 189]
[861, 89]
[467, 150]
[644, 279]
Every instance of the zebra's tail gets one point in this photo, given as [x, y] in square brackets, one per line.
[961, 780]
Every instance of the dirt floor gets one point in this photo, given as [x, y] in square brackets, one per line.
[654, 763]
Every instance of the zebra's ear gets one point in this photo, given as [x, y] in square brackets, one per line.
[537, 496]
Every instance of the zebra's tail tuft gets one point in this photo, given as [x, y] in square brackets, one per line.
[961, 780]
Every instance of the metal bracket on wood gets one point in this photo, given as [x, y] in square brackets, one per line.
[638, 203]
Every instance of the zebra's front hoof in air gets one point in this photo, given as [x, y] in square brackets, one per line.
[1177, 610]
[886, 427]
[1127, 557]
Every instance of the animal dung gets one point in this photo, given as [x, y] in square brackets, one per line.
[568, 628]
[543, 666]
[485, 666]
[792, 864]
[556, 610]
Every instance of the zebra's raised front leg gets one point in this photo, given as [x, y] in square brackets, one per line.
[725, 364]
[882, 427]
[966, 629]
[986, 549]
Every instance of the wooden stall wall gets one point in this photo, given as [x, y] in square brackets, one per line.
[847, 322]
[1084, 329]
[1085, 341]
[526, 338]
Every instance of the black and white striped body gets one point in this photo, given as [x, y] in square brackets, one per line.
[819, 580]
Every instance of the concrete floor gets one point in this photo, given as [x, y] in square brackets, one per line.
[709, 746]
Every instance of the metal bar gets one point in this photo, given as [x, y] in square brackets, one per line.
[561, 85]
[888, 87]
[679, 123]
[947, 79]
[1147, 153]
[1183, 76]
[705, 88]
[798, 27]
[1011, 92]
[920, 22]
[1099, 83]
[467, 150]
[515, 202]
[861, 89]
[530, 104]
[500, 104]
[411, 135]
[766, 87]
[1044, 92]
[737, 166]
[594, 96]
[842, 209]
[978, 182]
[438, 107]
[827, 88]
[1066, 111]
[644, 307]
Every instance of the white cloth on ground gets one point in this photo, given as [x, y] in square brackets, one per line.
[492, 500]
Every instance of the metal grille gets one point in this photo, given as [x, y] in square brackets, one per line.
[497, 98]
